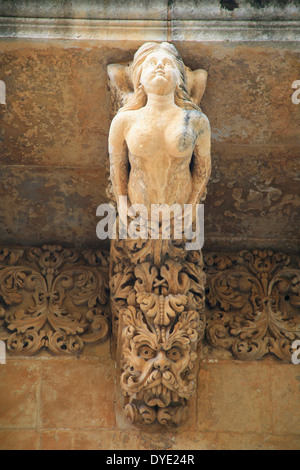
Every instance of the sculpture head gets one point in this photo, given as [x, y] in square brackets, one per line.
[158, 68]
[157, 364]
[160, 74]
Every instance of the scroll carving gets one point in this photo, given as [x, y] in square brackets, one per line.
[52, 298]
[57, 299]
[159, 154]
[254, 300]
[159, 316]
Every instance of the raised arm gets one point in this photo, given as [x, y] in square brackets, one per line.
[118, 155]
[201, 167]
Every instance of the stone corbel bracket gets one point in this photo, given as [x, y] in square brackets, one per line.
[157, 292]
[158, 324]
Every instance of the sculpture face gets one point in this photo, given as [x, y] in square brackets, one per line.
[159, 375]
[157, 363]
[160, 74]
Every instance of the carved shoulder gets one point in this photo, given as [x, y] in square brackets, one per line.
[118, 123]
[198, 120]
[201, 123]
[117, 133]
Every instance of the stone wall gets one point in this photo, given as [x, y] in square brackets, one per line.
[55, 125]
[53, 158]
[74, 401]
[52, 403]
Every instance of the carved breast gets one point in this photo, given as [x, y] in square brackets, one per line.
[174, 140]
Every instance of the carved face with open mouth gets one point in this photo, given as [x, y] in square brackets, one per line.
[157, 364]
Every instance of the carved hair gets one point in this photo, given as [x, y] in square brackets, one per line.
[139, 98]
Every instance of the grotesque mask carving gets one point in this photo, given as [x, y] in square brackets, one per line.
[157, 364]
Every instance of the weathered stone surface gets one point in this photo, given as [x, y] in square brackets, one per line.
[19, 440]
[66, 305]
[57, 114]
[249, 89]
[234, 441]
[234, 398]
[285, 389]
[57, 106]
[101, 9]
[71, 406]
[107, 440]
[205, 20]
[19, 394]
[50, 205]
[235, 10]
[83, 399]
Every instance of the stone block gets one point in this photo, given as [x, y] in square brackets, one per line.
[106, 440]
[285, 388]
[19, 440]
[19, 394]
[57, 440]
[234, 397]
[234, 441]
[252, 198]
[77, 394]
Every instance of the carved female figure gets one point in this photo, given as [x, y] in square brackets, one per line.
[159, 146]
[159, 142]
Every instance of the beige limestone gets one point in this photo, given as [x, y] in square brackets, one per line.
[56, 122]
[157, 133]
[245, 405]
[19, 382]
[92, 403]
[160, 20]
[253, 178]
[159, 145]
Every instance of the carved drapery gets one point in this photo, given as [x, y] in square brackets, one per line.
[52, 298]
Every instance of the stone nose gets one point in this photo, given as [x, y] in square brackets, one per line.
[159, 65]
[162, 363]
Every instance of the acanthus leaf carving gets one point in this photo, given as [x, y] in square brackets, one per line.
[254, 301]
[53, 301]
[161, 321]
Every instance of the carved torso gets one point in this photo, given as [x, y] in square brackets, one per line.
[160, 149]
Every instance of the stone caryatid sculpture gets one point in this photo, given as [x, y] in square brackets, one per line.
[159, 146]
